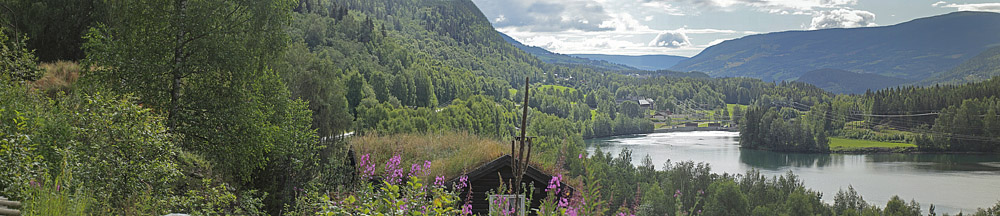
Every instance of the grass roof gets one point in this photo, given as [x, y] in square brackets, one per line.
[451, 153]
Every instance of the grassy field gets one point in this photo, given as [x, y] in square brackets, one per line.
[557, 87]
[849, 144]
[729, 107]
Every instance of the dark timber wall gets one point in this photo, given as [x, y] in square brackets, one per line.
[489, 176]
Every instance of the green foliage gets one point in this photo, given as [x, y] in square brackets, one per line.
[55, 27]
[110, 135]
[17, 63]
[972, 126]
[898, 207]
[218, 199]
[784, 130]
[57, 196]
[21, 157]
[631, 109]
[726, 199]
[204, 64]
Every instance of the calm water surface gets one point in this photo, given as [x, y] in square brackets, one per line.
[952, 182]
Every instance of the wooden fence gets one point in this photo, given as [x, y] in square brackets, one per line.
[7, 207]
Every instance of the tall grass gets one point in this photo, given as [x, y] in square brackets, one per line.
[59, 77]
[56, 196]
[451, 153]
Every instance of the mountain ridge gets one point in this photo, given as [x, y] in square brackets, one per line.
[644, 62]
[906, 50]
[561, 59]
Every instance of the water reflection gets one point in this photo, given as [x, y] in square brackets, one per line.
[771, 161]
[942, 162]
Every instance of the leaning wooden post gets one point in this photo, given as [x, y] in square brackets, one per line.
[520, 161]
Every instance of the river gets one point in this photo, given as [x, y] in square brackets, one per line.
[952, 182]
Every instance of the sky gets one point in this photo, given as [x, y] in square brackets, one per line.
[685, 27]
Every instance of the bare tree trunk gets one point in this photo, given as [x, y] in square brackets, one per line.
[175, 93]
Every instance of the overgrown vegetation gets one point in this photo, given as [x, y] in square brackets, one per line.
[252, 107]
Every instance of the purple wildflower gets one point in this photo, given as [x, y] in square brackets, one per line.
[467, 209]
[393, 170]
[463, 182]
[427, 168]
[439, 181]
[414, 169]
[367, 166]
[554, 183]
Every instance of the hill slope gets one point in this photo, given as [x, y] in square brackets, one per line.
[644, 62]
[979, 68]
[556, 58]
[912, 50]
[846, 82]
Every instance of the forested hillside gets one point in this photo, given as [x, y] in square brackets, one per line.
[913, 50]
[980, 68]
[846, 82]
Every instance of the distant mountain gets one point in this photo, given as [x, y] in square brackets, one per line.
[982, 67]
[645, 62]
[913, 50]
[846, 82]
[556, 58]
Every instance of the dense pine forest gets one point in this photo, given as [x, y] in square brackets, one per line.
[360, 107]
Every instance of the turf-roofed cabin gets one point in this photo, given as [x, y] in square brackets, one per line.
[490, 175]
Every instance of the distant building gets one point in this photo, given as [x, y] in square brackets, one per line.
[647, 103]
[660, 116]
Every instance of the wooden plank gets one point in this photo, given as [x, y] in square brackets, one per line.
[6, 211]
[14, 204]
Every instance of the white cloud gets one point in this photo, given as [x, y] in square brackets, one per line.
[603, 26]
[664, 7]
[547, 16]
[500, 18]
[671, 39]
[842, 18]
[989, 7]
[770, 6]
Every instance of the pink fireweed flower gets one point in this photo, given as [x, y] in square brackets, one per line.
[554, 183]
[467, 209]
[463, 182]
[393, 170]
[414, 169]
[581, 156]
[368, 168]
[677, 193]
[439, 181]
[427, 168]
